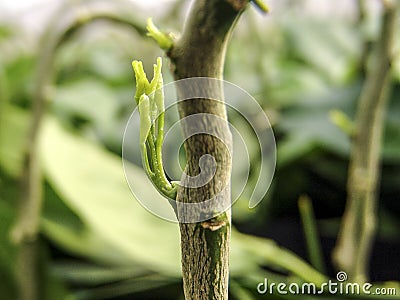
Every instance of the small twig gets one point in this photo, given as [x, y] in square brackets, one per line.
[311, 234]
[260, 4]
[366, 44]
[357, 232]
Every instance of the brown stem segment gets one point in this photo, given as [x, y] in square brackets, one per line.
[357, 232]
[200, 52]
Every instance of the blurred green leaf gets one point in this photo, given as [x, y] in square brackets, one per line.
[14, 124]
[88, 99]
[125, 287]
[5, 31]
[84, 273]
[307, 125]
[91, 182]
[331, 46]
[240, 292]
[117, 229]
[19, 74]
[294, 82]
[7, 253]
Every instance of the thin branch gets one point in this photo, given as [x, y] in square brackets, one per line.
[311, 234]
[357, 232]
[366, 44]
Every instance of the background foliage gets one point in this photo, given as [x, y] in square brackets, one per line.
[96, 242]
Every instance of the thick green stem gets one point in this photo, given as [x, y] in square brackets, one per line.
[201, 52]
[357, 232]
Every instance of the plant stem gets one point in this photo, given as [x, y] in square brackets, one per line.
[356, 236]
[311, 234]
[27, 225]
[365, 46]
[200, 52]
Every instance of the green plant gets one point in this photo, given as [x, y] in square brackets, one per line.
[150, 100]
[94, 240]
[205, 243]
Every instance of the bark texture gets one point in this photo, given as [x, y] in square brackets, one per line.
[200, 52]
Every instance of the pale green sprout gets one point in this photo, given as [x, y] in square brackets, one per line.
[341, 120]
[150, 100]
[261, 5]
[163, 40]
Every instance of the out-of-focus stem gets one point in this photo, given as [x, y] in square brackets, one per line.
[311, 234]
[26, 228]
[357, 233]
[365, 43]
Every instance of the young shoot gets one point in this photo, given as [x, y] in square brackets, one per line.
[150, 100]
